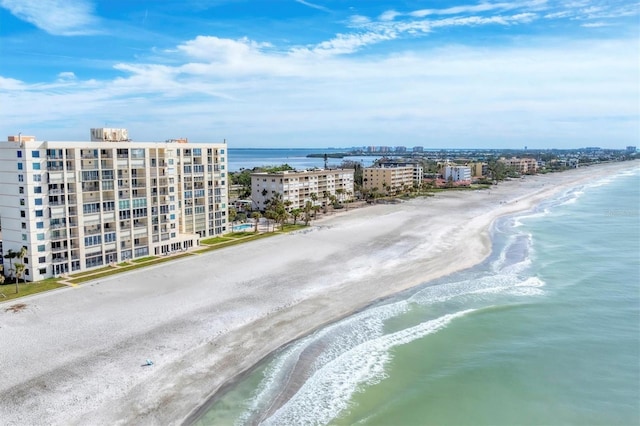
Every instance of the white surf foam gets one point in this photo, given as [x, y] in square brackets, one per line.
[329, 390]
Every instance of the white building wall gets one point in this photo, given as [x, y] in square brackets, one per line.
[298, 186]
[457, 173]
[103, 201]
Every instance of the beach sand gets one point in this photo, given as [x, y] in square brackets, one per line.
[75, 356]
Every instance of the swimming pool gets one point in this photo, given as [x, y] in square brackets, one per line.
[242, 227]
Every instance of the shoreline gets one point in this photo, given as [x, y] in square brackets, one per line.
[75, 355]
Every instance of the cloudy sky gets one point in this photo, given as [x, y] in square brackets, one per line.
[318, 73]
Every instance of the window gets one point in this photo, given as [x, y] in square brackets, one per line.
[36, 166]
[42, 259]
[42, 271]
[35, 154]
[24, 225]
[22, 202]
[40, 236]
[20, 178]
[37, 178]
[19, 166]
[38, 201]
[40, 225]
[19, 154]
[42, 248]
[24, 237]
[22, 213]
[222, 151]
[39, 213]
[92, 240]
[37, 190]
[21, 190]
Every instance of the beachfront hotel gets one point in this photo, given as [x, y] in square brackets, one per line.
[388, 179]
[82, 205]
[297, 187]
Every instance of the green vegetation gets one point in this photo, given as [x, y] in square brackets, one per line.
[144, 259]
[29, 288]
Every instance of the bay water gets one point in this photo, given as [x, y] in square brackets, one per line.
[248, 158]
[546, 331]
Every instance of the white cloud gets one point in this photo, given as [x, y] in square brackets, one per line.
[66, 76]
[389, 15]
[313, 5]
[58, 17]
[557, 94]
[11, 84]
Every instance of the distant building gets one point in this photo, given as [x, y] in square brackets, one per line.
[388, 179]
[521, 165]
[631, 149]
[76, 206]
[401, 149]
[418, 149]
[418, 171]
[297, 187]
[478, 169]
[459, 174]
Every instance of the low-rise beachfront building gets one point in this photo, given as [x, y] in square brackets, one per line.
[418, 170]
[388, 179]
[82, 205]
[521, 165]
[458, 174]
[478, 169]
[298, 187]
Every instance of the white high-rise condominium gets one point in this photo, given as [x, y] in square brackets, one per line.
[81, 205]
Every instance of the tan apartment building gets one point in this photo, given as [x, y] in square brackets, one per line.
[521, 165]
[387, 179]
[82, 205]
[298, 187]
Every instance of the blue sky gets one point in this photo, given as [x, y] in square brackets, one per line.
[298, 73]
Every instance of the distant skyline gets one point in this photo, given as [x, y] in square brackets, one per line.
[297, 73]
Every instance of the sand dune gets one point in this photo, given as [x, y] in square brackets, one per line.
[75, 356]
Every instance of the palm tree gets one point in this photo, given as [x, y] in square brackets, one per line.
[308, 207]
[19, 268]
[22, 253]
[325, 196]
[256, 216]
[10, 255]
[295, 214]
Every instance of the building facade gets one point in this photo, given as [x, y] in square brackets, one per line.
[298, 187]
[457, 174]
[388, 179]
[82, 205]
[521, 165]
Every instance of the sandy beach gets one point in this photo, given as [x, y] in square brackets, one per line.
[75, 356]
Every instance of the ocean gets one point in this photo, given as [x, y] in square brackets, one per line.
[248, 158]
[546, 331]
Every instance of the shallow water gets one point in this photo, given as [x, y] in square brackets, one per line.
[546, 331]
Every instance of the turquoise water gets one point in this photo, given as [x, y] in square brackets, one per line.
[248, 158]
[545, 332]
[243, 227]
